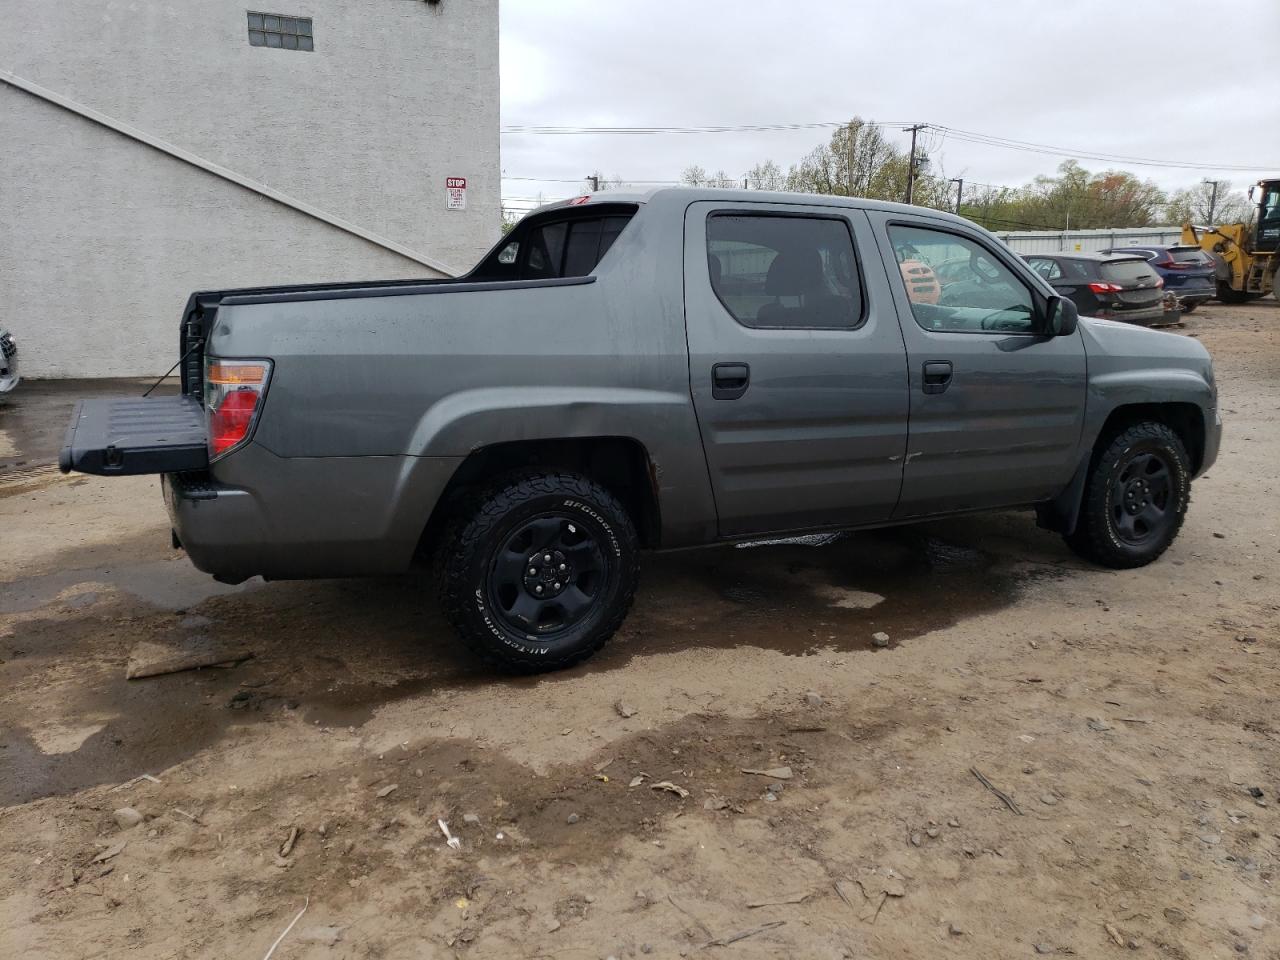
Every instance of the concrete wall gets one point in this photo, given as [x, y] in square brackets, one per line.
[102, 238]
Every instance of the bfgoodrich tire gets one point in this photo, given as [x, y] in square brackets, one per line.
[1135, 498]
[539, 571]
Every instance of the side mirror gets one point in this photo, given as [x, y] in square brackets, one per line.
[1063, 317]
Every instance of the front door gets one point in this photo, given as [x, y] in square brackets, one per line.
[997, 405]
[796, 365]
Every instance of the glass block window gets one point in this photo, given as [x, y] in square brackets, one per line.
[276, 30]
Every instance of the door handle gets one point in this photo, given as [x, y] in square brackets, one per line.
[937, 375]
[729, 381]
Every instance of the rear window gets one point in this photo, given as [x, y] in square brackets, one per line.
[570, 248]
[1126, 271]
[556, 245]
[1186, 255]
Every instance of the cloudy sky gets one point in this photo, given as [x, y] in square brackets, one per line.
[1177, 81]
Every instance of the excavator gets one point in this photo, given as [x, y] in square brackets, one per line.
[1246, 255]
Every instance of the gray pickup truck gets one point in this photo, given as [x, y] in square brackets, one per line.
[658, 371]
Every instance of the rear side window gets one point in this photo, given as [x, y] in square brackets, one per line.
[1126, 271]
[785, 272]
[1049, 269]
[569, 248]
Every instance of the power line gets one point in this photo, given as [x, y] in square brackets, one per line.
[965, 136]
[1007, 143]
[545, 130]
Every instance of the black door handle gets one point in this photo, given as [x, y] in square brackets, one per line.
[937, 375]
[729, 380]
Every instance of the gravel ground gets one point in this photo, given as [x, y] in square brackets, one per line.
[1129, 718]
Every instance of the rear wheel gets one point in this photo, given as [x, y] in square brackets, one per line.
[1135, 498]
[1190, 307]
[539, 572]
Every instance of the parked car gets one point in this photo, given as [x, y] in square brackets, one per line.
[8, 361]
[1188, 272]
[1108, 286]
[672, 369]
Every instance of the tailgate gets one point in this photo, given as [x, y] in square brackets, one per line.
[119, 436]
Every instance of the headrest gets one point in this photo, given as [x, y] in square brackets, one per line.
[716, 269]
[793, 273]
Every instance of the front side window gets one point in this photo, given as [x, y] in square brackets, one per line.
[785, 271]
[955, 284]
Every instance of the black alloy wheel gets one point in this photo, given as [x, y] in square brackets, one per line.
[547, 575]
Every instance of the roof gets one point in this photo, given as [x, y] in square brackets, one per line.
[689, 195]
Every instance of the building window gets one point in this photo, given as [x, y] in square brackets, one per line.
[274, 30]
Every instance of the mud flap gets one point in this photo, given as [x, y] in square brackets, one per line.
[127, 436]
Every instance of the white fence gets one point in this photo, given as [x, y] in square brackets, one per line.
[1086, 241]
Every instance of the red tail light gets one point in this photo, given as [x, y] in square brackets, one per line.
[1105, 287]
[1159, 282]
[234, 390]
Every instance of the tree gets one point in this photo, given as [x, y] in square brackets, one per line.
[1191, 205]
[858, 161]
[766, 176]
[604, 183]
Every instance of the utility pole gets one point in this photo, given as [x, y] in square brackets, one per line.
[595, 182]
[959, 182]
[911, 162]
[1213, 199]
[849, 191]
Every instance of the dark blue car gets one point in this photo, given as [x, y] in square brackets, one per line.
[1186, 271]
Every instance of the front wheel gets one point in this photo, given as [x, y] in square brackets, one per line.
[540, 572]
[1135, 498]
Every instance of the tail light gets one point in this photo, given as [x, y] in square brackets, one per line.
[1105, 287]
[234, 391]
[1159, 282]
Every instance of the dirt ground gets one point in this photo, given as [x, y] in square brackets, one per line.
[1129, 717]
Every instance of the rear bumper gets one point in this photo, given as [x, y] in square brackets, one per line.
[1141, 315]
[283, 518]
[1198, 290]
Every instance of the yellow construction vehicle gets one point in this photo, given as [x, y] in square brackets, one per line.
[1246, 255]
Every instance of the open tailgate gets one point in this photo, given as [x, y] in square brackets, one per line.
[118, 436]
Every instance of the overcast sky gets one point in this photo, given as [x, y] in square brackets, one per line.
[1173, 80]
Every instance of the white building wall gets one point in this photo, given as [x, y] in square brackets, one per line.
[102, 238]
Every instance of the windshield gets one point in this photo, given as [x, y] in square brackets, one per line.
[1269, 220]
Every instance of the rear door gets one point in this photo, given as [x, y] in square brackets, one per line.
[796, 365]
[997, 406]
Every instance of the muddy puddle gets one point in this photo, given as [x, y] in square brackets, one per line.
[333, 652]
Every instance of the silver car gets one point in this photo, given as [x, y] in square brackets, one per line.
[8, 361]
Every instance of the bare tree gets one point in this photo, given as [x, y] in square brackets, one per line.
[1191, 205]
[858, 161]
[766, 176]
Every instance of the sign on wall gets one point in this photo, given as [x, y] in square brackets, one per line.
[455, 193]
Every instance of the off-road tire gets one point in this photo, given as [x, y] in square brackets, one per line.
[1099, 535]
[475, 545]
